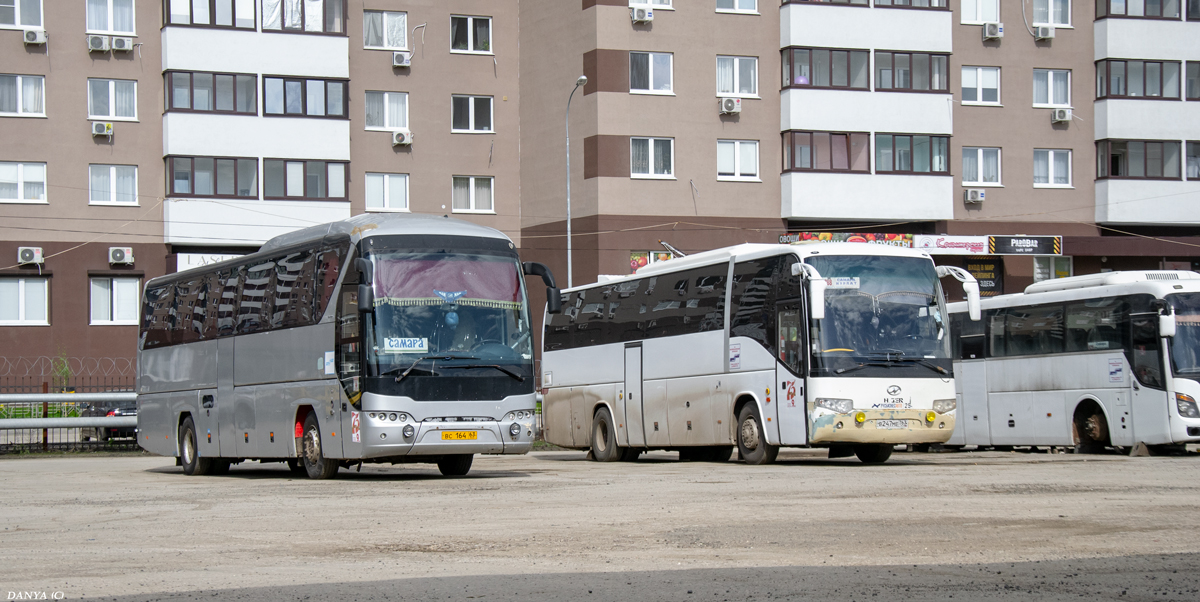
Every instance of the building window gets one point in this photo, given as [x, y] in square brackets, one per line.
[115, 301]
[470, 113]
[1052, 12]
[112, 185]
[1150, 9]
[1049, 268]
[22, 95]
[826, 151]
[826, 68]
[650, 72]
[23, 302]
[652, 157]
[22, 182]
[285, 179]
[934, 4]
[212, 92]
[912, 154]
[1138, 159]
[1193, 160]
[110, 16]
[296, 97]
[21, 13]
[112, 99]
[863, 3]
[737, 160]
[981, 85]
[237, 14]
[1137, 79]
[1051, 168]
[737, 6]
[387, 110]
[657, 3]
[385, 30]
[309, 16]
[737, 76]
[473, 194]
[1193, 76]
[387, 192]
[1193, 10]
[1051, 88]
[981, 167]
[980, 11]
[911, 72]
[471, 34]
[213, 177]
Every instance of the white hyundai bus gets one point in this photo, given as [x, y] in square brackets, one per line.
[838, 345]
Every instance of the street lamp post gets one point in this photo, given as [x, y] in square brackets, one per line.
[579, 82]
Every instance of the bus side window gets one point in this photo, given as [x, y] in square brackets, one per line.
[329, 267]
[156, 321]
[706, 308]
[1096, 324]
[212, 294]
[254, 304]
[294, 276]
[967, 337]
[227, 309]
[995, 326]
[752, 313]
[627, 323]
[1144, 350]
[189, 305]
[1034, 330]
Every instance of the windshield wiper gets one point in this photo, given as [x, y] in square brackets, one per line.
[895, 356]
[861, 366]
[496, 366]
[433, 356]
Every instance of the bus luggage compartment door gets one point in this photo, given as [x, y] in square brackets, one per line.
[632, 391]
[208, 441]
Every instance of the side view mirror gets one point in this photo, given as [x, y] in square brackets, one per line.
[553, 300]
[816, 289]
[366, 268]
[970, 287]
[366, 299]
[533, 268]
[1166, 324]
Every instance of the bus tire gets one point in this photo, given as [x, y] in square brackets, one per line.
[752, 444]
[455, 465]
[189, 454]
[1090, 429]
[720, 453]
[315, 463]
[604, 437]
[873, 453]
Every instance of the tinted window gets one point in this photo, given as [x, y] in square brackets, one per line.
[1144, 352]
[256, 300]
[156, 316]
[1034, 330]
[189, 305]
[752, 310]
[1097, 324]
[293, 293]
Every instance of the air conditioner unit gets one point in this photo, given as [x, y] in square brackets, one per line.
[97, 43]
[122, 44]
[28, 255]
[101, 128]
[402, 58]
[35, 36]
[993, 31]
[120, 255]
[1060, 116]
[729, 106]
[974, 195]
[1044, 32]
[641, 14]
[402, 138]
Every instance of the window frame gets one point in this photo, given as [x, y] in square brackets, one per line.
[909, 6]
[1053, 276]
[383, 20]
[212, 10]
[169, 91]
[345, 184]
[22, 283]
[20, 200]
[471, 114]
[387, 178]
[650, 74]
[1190, 144]
[1103, 158]
[21, 96]
[112, 100]
[16, 24]
[1184, 81]
[790, 63]
[1050, 168]
[789, 152]
[655, 4]
[1106, 80]
[652, 142]
[910, 172]
[262, 26]
[855, 3]
[979, 87]
[385, 128]
[1050, 13]
[112, 301]
[303, 114]
[736, 76]
[999, 183]
[739, 11]
[912, 69]
[110, 31]
[471, 38]
[170, 173]
[978, 11]
[737, 160]
[473, 200]
[112, 193]
[1108, 14]
[1050, 88]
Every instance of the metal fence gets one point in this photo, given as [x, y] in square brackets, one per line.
[15, 441]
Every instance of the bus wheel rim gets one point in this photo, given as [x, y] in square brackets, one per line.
[312, 449]
[750, 434]
[188, 449]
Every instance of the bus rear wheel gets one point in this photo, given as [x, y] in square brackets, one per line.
[456, 465]
[315, 463]
[604, 437]
[752, 445]
[873, 453]
[189, 455]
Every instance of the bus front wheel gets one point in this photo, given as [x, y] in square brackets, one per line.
[604, 437]
[189, 455]
[873, 453]
[315, 463]
[752, 445]
[1090, 429]
[456, 465]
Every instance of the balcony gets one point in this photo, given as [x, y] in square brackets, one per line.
[853, 196]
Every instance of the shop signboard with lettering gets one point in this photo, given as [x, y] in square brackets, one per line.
[941, 244]
[989, 271]
[1025, 245]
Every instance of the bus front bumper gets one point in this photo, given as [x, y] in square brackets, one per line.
[883, 426]
[432, 438]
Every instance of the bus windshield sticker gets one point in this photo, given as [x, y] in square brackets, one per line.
[449, 297]
[405, 345]
[843, 282]
[1116, 370]
[735, 356]
[329, 370]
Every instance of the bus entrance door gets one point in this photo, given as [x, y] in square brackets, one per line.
[789, 407]
[632, 391]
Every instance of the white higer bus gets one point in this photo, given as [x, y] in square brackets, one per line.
[1108, 359]
[839, 345]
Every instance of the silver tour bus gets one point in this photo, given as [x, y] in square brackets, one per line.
[380, 338]
[838, 345]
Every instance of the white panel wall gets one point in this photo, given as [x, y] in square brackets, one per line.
[199, 49]
[1146, 39]
[1147, 119]
[1148, 202]
[234, 222]
[843, 111]
[869, 28]
[211, 134]
[853, 196]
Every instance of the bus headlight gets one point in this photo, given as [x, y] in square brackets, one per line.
[409, 431]
[1187, 406]
[941, 406]
[514, 429]
[841, 406]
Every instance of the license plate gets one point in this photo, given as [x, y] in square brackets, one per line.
[462, 435]
[891, 424]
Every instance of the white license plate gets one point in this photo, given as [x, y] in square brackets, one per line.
[891, 424]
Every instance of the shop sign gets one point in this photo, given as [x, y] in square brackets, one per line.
[989, 271]
[942, 244]
[893, 240]
[1025, 245]
[187, 261]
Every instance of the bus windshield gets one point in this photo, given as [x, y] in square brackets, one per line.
[881, 313]
[465, 312]
[1185, 346]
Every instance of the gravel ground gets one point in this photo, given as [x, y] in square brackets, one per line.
[551, 525]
